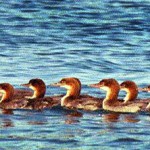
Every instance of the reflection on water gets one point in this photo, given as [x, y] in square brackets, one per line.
[73, 117]
[6, 111]
[111, 117]
[116, 117]
[6, 122]
[77, 129]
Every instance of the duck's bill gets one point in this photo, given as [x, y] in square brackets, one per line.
[25, 85]
[56, 84]
[96, 85]
[145, 89]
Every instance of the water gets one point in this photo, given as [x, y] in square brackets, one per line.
[52, 39]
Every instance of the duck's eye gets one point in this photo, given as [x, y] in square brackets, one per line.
[62, 81]
[102, 82]
[122, 85]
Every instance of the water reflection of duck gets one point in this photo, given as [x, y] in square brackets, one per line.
[15, 99]
[116, 117]
[73, 99]
[111, 103]
[73, 117]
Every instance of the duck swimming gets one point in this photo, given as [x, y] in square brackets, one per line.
[9, 98]
[23, 99]
[73, 99]
[132, 90]
[111, 102]
[7, 91]
[38, 86]
[37, 100]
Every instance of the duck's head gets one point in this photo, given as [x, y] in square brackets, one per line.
[107, 84]
[7, 91]
[111, 86]
[73, 86]
[131, 88]
[38, 86]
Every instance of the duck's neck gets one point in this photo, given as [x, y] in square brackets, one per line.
[111, 97]
[39, 93]
[7, 96]
[131, 95]
[71, 94]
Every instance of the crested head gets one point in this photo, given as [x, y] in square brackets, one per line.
[7, 90]
[35, 83]
[131, 88]
[128, 85]
[110, 83]
[38, 86]
[73, 86]
[69, 83]
[107, 84]
[111, 86]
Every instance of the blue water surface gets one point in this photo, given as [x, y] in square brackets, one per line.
[91, 40]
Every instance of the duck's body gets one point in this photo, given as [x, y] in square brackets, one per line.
[12, 98]
[73, 99]
[24, 99]
[111, 101]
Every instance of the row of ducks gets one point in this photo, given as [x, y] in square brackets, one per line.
[24, 99]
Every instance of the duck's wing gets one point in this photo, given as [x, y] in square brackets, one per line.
[21, 93]
[85, 102]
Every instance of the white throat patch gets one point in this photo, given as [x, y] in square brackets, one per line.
[68, 87]
[105, 88]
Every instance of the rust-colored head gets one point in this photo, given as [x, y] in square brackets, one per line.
[73, 86]
[131, 88]
[106, 84]
[128, 85]
[7, 90]
[38, 86]
[111, 86]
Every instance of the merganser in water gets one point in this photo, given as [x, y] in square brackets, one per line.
[37, 100]
[9, 99]
[111, 103]
[132, 90]
[22, 99]
[73, 99]
[7, 91]
[38, 86]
